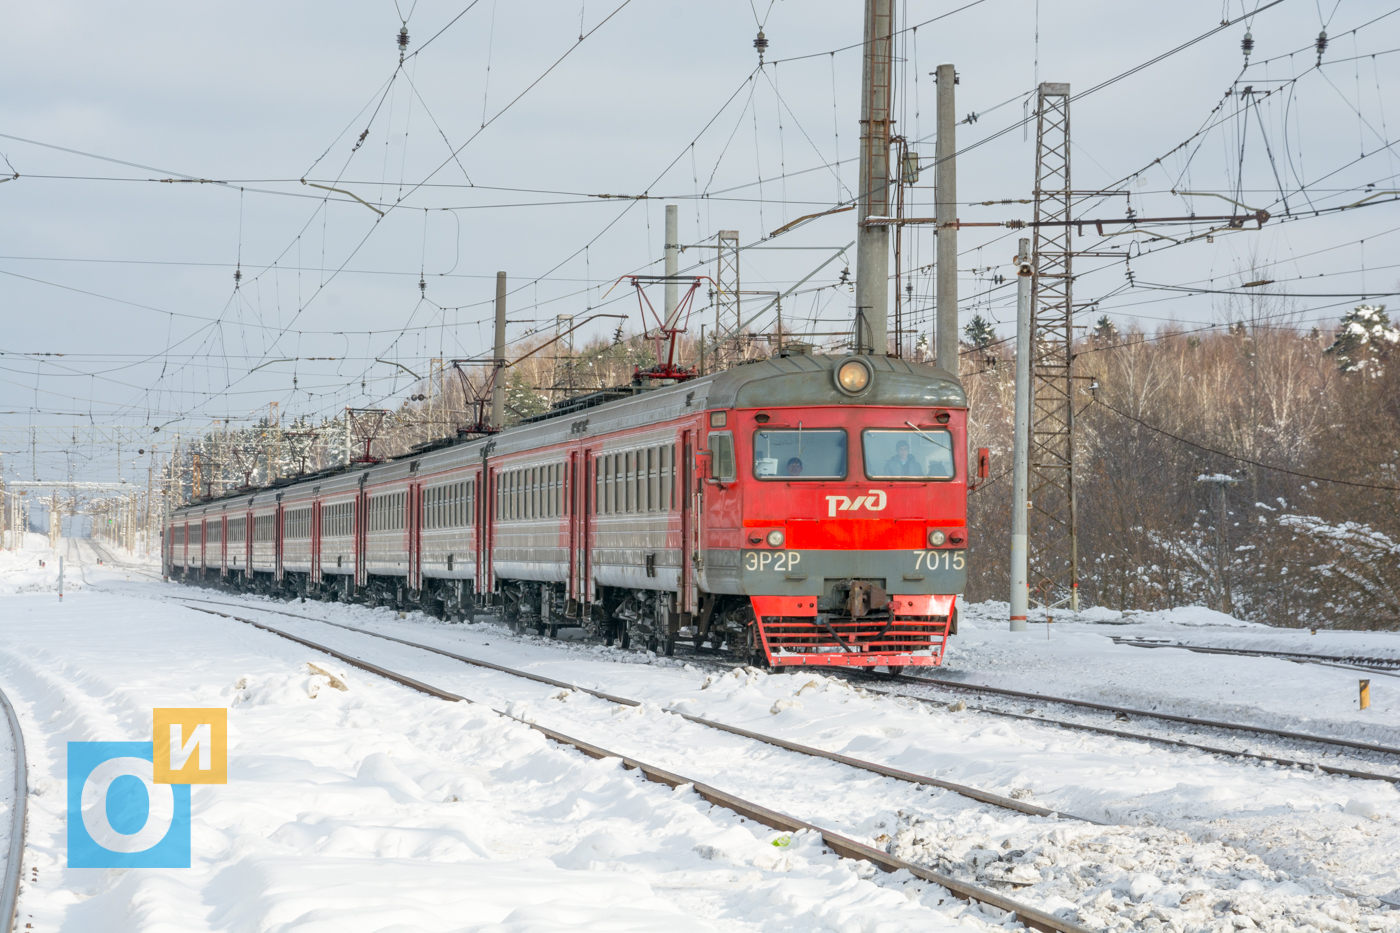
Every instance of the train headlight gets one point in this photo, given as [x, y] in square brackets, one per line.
[775, 539]
[853, 376]
[936, 538]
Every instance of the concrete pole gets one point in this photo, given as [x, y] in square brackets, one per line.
[946, 213]
[498, 384]
[873, 242]
[673, 263]
[1020, 471]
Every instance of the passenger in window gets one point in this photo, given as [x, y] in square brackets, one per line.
[902, 464]
[794, 467]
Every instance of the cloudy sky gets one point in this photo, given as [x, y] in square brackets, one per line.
[162, 148]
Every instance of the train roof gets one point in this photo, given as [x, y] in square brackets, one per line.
[778, 382]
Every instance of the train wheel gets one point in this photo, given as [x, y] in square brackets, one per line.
[895, 669]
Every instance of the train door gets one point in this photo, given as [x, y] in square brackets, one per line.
[486, 574]
[248, 542]
[571, 485]
[277, 530]
[413, 501]
[478, 503]
[688, 529]
[361, 534]
[315, 574]
[223, 545]
[582, 577]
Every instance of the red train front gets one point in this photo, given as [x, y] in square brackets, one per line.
[834, 512]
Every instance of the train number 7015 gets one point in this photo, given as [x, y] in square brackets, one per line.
[940, 560]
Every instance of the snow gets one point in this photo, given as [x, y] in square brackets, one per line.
[374, 807]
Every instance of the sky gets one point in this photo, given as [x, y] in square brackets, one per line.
[166, 261]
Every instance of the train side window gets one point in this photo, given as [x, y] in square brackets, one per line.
[615, 484]
[597, 484]
[722, 467]
[632, 481]
[666, 478]
[653, 478]
[610, 483]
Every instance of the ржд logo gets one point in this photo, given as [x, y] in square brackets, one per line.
[874, 500]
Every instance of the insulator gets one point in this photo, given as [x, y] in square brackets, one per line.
[1247, 43]
[403, 37]
[761, 44]
[1321, 45]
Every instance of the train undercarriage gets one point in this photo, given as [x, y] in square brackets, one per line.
[855, 618]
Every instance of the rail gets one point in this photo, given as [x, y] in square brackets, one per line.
[973, 793]
[1170, 717]
[14, 864]
[1390, 666]
[843, 846]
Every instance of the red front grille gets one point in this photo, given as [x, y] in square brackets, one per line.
[865, 642]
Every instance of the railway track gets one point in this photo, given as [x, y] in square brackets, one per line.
[1149, 714]
[842, 846]
[923, 681]
[1374, 665]
[972, 793]
[14, 863]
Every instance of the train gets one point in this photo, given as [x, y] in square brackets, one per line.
[800, 510]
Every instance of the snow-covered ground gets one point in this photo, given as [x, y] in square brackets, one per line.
[378, 808]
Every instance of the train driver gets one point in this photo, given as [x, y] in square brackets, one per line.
[794, 467]
[902, 464]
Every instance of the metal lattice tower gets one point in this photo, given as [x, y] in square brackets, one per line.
[727, 339]
[1054, 570]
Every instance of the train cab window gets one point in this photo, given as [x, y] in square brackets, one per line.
[799, 454]
[722, 464]
[908, 454]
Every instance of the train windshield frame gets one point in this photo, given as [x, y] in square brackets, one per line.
[800, 454]
[901, 455]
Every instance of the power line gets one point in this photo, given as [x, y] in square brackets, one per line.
[1238, 459]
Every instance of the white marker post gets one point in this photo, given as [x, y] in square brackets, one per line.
[60, 578]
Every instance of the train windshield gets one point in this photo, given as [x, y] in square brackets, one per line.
[908, 454]
[799, 454]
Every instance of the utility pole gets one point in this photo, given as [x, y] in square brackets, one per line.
[873, 241]
[1218, 482]
[1020, 471]
[498, 373]
[945, 334]
[1054, 558]
[673, 263]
